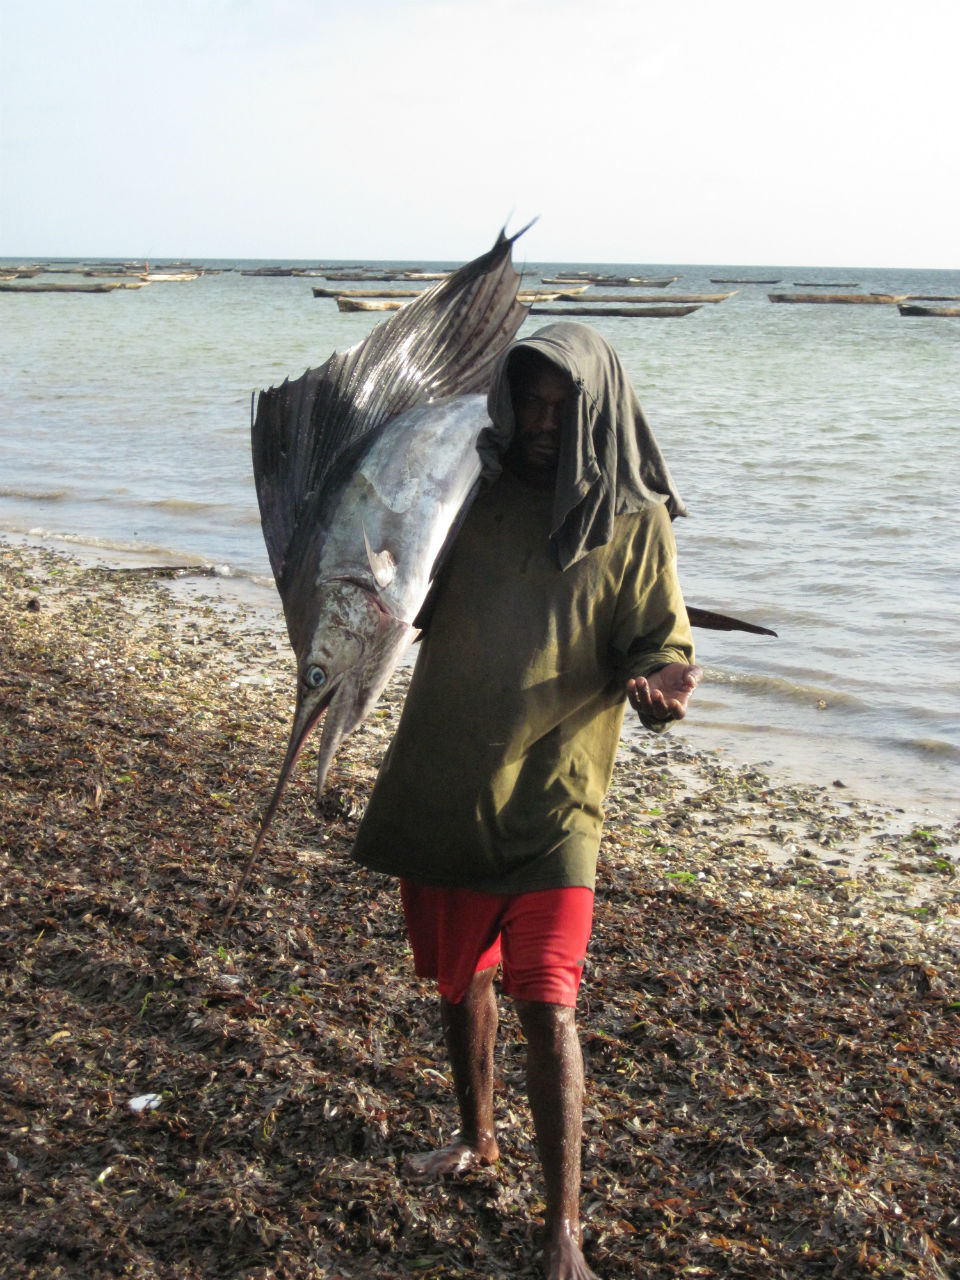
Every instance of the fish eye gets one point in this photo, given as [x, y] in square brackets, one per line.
[314, 677]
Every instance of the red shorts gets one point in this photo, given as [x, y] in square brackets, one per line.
[456, 933]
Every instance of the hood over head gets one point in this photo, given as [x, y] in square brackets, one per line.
[609, 462]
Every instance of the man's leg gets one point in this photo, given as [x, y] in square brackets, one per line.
[555, 1088]
[470, 1031]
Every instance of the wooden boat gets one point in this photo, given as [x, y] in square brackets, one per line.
[425, 275]
[633, 312]
[624, 282]
[614, 282]
[826, 284]
[321, 291]
[159, 277]
[87, 287]
[933, 297]
[917, 309]
[363, 277]
[646, 297]
[837, 297]
[568, 285]
[368, 304]
[737, 280]
[598, 277]
[354, 302]
[99, 273]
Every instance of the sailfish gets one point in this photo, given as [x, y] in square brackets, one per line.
[364, 468]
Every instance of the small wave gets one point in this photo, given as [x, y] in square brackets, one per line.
[779, 687]
[34, 495]
[928, 747]
[185, 506]
[142, 550]
[146, 554]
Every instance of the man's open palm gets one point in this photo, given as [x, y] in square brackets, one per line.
[664, 695]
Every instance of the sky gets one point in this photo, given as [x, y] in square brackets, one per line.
[635, 131]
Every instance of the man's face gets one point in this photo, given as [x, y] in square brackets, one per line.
[541, 403]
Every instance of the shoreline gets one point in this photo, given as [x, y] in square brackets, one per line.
[880, 778]
[731, 809]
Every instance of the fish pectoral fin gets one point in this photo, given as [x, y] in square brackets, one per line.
[722, 622]
[382, 564]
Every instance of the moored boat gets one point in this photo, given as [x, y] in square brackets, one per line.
[568, 285]
[838, 297]
[646, 297]
[158, 277]
[919, 309]
[15, 286]
[321, 291]
[354, 302]
[633, 312]
[369, 304]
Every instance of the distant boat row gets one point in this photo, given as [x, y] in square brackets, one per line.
[566, 293]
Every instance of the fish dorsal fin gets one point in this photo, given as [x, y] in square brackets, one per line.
[444, 343]
[382, 564]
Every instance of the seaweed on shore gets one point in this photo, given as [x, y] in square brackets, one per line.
[771, 1030]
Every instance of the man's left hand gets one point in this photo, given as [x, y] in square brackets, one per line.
[664, 694]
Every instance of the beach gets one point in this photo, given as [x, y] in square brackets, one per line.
[770, 1010]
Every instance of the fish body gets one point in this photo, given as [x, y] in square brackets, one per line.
[368, 567]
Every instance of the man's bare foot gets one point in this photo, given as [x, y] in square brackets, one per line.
[456, 1157]
[565, 1261]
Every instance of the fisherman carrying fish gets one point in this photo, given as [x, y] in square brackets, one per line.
[558, 604]
[508, 499]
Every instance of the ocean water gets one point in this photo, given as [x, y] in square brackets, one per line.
[816, 448]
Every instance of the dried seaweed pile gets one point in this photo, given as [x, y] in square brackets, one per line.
[773, 1053]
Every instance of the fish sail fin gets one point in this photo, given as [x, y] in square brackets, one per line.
[721, 622]
[444, 343]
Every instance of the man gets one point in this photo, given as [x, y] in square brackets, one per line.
[558, 603]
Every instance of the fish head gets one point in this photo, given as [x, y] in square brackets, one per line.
[347, 656]
[347, 645]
